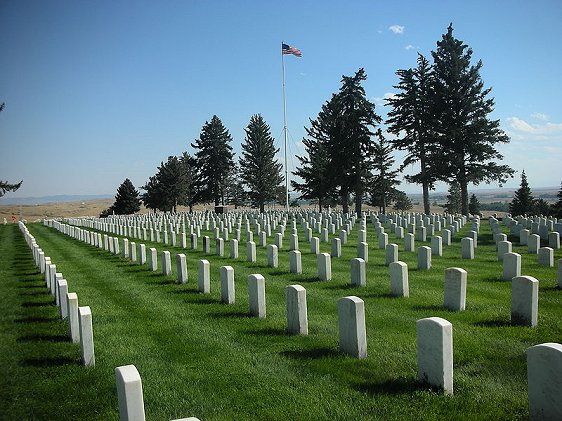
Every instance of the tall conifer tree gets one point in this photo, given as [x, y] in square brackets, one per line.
[383, 187]
[259, 169]
[467, 136]
[127, 199]
[523, 201]
[214, 160]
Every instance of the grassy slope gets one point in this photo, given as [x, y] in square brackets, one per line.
[198, 357]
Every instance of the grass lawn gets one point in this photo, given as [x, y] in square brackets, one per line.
[198, 357]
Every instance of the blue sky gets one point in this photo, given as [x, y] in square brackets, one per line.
[100, 91]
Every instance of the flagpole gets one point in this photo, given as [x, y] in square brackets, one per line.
[285, 131]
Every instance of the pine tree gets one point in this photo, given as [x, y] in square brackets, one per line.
[153, 197]
[6, 187]
[127, 200]
[189, 181]
[402, 201]
[461, 107]
[556, 208]
[214, 160]
[351, 148]
[523, 200]
[454, 199]
[541, 207]
[259, 169]
[474, 205]
[235, 193]
[411, 120]
[383, 188]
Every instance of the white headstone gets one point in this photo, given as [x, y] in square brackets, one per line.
[336, 247]
[533, 243]
[544, 374]
[409, 242]
[434, 338]
[86, 336]
[251, 252]
[73, 320]
[424, 257]
[524, 301]
[352, 331]
[511, 266]
[324, 266]
[358, 272]
[204, 276]
[152, 259]
[256, 291]
[272, 256]
[297, 317]
[363, 251]
[455, 289]
[399, 286]
[129, 393]
[546, 257]
[391, 254]
[436, 245]
[166, 263]
[181, 268]
[62, 286]
[227, 284]
[295, 264]
[234, 248]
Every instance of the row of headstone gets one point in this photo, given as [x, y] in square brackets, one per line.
[79, 319]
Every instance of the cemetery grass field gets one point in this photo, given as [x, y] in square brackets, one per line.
[198, 357]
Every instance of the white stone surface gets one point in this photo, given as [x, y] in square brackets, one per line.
[129, 393]
[399, 286]
[272, 256]
[73, 320]
[533, 243]
[142, 254]
[204, 276]
[324, 266]
[86, 336]
[524, 301]
[358, 272]
[295, 262]
[424, 257]
[181, 268]
[228, 295]
[409, 242]
[166, 263]
[511, 266]
[455, 289]
[363, 251]
[152, 259]
[336, 247]
[391, 254]
[251, 252]
[544, 379]
[352, 331]
[546, 257]
[436, 245]
[467, 248]
[434, 338]
[62, 286]
[256, 292]
[297, 317]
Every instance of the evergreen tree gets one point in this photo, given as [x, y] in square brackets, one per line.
[523, 200]
[541, 207]
[383, 189]
[188, 179]
[259, 169]
[6, 187]
[411, 120]
[153, 195]
[235, 193]
[314, 168]
[214, 160]
[402, 201]
[454, 198]
[351, 150]
[127, 199]
[461, 107]
[556, 208]
[474, 205]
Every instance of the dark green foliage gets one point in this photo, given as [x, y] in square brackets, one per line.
[127, 199]
[454, 204]
[556, 208]
[384, 181]
[6, 187]
[314, 166]
[412, 121]
[235, 193]
[474, 205]
[340, 147]
[174, 184]
[214, 160]
[258, 167]
[495, 206]
[402, 201]
[541, 207]
[461, 107]
[523, 200]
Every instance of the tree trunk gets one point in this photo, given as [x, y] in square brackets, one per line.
[464, 195]
[262, 207]
[345, 201]
[425, 187]
[358, 203]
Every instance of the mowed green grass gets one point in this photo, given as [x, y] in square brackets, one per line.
[198, 357]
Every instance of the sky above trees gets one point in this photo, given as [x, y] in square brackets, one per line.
[97, 92]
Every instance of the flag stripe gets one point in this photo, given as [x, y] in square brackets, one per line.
[287, 49]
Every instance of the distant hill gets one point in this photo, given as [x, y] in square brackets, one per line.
[52, 199]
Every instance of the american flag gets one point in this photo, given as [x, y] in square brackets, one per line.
[287, 49]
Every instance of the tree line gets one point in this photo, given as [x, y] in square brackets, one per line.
[440, 118]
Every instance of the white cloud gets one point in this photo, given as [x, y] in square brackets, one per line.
[409, 47]
[380, 101]
[543, 130]
[397, 29]
[541, 116]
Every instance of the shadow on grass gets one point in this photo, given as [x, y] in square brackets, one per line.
[35, 293]
[267, 332]
[432, 307]
[494, 323]
[390, 387]
[38, 337]
[30, 280]
[26, 320]
[29, 304]
[310, 279]
[231, 315]
[162, 282]
[341, 287]
[553, 288]
[48, 362]
[307, 354]
[207, 300]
